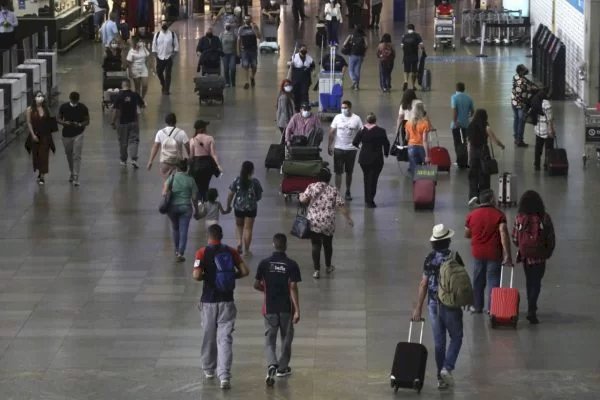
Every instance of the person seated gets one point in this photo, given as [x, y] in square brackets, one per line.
[306, 124]
[444, 10]
[113, 60]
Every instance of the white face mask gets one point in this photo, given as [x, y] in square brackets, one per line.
[114, 45]
[305, 114]
[346, 112]
[287, 88]
[273, 3]
[39, 99]
[410, 31]
[73, 104]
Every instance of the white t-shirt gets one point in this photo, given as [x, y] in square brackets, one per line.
[408, 114]
[137, 58]
[346, 129]
[178, 135]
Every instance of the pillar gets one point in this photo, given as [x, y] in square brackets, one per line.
[591, 85]
[399, 10]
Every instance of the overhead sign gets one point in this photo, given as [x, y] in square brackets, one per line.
[578, 4]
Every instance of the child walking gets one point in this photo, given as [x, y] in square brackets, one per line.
[211, 209]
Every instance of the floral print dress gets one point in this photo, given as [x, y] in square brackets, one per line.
[324, 199]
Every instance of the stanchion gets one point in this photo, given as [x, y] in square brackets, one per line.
[481, 53]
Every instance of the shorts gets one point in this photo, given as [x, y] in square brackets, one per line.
[244, 213]
[411, 66]
[249, 59]
[343, 161]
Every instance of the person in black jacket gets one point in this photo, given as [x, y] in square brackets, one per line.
[375, 145]
[209, 49]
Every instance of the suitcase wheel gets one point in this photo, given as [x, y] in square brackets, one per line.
[418, 385]
[395, 389]
[393, 382]
[492, 323]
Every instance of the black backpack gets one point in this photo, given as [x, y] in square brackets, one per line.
[359, 47]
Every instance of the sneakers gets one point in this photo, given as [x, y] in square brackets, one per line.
[76, 182]
[41, 181]
[134, 164]
[473, 202]
[446, 376]
[442, 385]
[246, 86]
[522, 144]
[123, 163]
[472, 310]
[271, 371]
[330, 269]
[252, 82]
[533, 319]
[316, 274]
[348, 196]
[209, 374]
[70, 178]
[179, 258]
[225, 384]
[284, 372]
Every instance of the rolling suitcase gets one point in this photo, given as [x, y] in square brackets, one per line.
[210, 87]
[439, 155]
[504, 310]
[426, 81]
[507, 190]
[296, 184]
[424, 194]
[557, 162]
[410, 363]
[304, 153]
[275, 156]
[302, 168]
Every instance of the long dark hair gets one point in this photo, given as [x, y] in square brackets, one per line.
[531, 203]
[386, 38]
[245, 173]
[477, 129]
[33, 106]
[407, 98]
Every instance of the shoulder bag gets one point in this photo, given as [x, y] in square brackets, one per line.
[165, 200]
[301, 225]
[399, 149]
[489, 164]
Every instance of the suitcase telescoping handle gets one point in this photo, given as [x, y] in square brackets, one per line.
[422, 321]
[437, 137]
[512, 274]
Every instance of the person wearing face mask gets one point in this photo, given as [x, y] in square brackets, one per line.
[521, 90]
[306, 124]
[74, 117]
[285, 107]
[229, 46]
[333, 16]
[109, 30]
[344, 128]
[137, 59]
[357, 45]
[270, 20]
[8, 23]
[125, 121]
[165, 47]
[247, 48]
[209, 49]
[41, 126]
[302, 67]
[411, 43]
[113, 60]
[229, 15]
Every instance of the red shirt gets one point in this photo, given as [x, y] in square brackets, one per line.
[484, 224]
[445, 9]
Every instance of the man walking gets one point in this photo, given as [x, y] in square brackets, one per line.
[109, 30]
[298, 10]
[170, 141]
[247, 48]
[443, 319]
[490, 247]
[125, 112]
[74, 117]
[462, 111]
[344, 128]
[411, 43]
[165, 47]
[278, 277]
[218, 266]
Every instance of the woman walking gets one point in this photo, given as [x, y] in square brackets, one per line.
[417, 129]
[386, 55]
[204, 160]
[137, 60]
[478, 134]
[40, 142]
[323, 200]
[333, 18]
[183, 201]
[356, 44]
[532, 217]
[285, 107]
[409, 98]
[245, 192]
[375, 145]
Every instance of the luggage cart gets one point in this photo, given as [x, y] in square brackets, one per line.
[516, 34]
[443, 32]
[111, 85]
[331, 90]
[269, 29]
[592, 134]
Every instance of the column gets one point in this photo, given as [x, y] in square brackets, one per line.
[591, 91]
[399, 10]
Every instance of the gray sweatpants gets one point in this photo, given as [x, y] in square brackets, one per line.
[129, 140]
[218, 321]
[275, 323]
[73, 149]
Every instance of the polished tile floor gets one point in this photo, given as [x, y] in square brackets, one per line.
[92, 305]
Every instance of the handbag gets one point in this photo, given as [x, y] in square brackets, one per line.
[489, 164]
[301, 225]
[165, 200]
[347, 47]
[399, 149]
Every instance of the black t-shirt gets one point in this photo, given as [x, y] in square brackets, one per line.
[68, 113]
[338, 64]
[477, 135]
[127, 102]
[410, 45]
[277, 272]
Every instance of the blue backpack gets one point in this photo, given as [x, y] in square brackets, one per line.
[224, 269]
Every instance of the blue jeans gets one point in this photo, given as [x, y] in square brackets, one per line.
[416, 155]
[445, 319]
[229, 68]
[354, 66]
[518, 124]
[180, 216]
[385, 75]
[486, 275]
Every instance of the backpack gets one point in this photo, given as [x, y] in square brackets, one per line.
[172, 39]
[170, 149]
[454, 283]
[224, 269]
[386, 54]
[245, 199]
[359, 47]
[534, 238]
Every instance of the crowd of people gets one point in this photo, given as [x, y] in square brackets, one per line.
[187, 166]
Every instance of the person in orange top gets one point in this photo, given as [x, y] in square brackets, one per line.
[444, 9]
[417, 129]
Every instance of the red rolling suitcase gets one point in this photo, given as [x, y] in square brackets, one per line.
[439, 156]
[410, 363]
[296, 184]
[558, 163]
[504, 310]
[424, 194]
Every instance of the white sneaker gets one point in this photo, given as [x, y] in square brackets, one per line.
[123, 163]
[225, 384]
[316, 275]
[134, 164]
[447, 377]
[473, 202]
[209, 374]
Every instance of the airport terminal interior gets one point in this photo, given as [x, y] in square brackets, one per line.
[94, 306]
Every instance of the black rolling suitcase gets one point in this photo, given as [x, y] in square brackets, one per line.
[210, 87]
[305, 153]
[410, 362]
[275, 156]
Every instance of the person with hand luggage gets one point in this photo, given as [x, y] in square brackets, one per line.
[417, 130]
[533, 234]
[462, 111]
[278, 277]
[411, 42]
[486, 226]
[445, 320]
[545, 134]
[204, 162]
[302, 65]
[302, 124]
